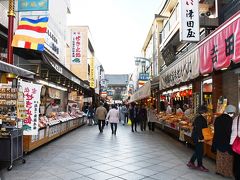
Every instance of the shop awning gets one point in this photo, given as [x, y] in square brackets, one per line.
[221, 47]
[61, 69]
[182, 70]
[142, 93]
[16, 70]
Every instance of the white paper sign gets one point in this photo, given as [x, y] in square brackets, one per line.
[189, 21]
[32, 101]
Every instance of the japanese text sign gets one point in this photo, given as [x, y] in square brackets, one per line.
[76, 51]
[144, 76]
[222, 47]
[31, 94]
[92, 73]
[189, 21]
[32, 5]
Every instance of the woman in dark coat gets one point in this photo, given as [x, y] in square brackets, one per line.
[199, 123]
[221, 142]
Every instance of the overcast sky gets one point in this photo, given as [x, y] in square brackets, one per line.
[118, 27]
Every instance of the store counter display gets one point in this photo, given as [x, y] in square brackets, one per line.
[52, 127]
[181, 127]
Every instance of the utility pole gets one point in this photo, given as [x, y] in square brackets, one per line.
[11, 16]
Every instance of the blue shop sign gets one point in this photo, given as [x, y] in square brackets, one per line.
[33, 5]
[144, 76]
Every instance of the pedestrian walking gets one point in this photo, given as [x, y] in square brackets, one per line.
[236, 156]
[127, 113]
[134, 116]
[113, 118]
[120, 109]
[101, 114]
[143, 117]
[123, 113]
[107, 108]
[151, 118]
[90, 115]
[221, 142]
[199, 123]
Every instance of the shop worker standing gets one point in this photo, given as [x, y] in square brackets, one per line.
[199, 123]
[178, 109]
[169, 109]
[101, 114]
[221, 142]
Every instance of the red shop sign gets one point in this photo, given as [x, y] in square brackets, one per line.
[221, 47]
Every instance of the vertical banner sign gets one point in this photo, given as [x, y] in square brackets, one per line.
[189, 21]
[31, 93]
[92, 74]
[76, 51]
[32, 5]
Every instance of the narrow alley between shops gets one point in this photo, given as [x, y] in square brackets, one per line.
[87, 154]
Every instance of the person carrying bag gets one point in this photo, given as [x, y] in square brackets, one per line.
[235, 142]
[236, 137]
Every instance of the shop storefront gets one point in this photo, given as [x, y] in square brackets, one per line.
[13, 112]
[62, 98]
[208, 74]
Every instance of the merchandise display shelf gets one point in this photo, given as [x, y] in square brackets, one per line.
[175, 132]
[50, 133]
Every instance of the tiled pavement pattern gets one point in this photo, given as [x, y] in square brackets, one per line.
[86, 154]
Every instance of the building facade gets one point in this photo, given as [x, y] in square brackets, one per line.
[117, 86]
[82, 53]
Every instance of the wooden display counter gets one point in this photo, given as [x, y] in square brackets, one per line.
[207, 150]
[187, 138]
[50, 133]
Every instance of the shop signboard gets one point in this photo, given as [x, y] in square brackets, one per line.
[144, 76]
[185, 69]
[196, 102]
[33, 5]
[110, 93]
[31, 94]
[92, 73]
[76, 47]
[223, 46]
[189, 21]
[52, 42]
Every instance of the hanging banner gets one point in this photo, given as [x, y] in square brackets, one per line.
[92, 74]
[31, 93]
[223, 46]
[187, 68]
[76, 51]
[31, 33]
[32, 5]
[189, 20]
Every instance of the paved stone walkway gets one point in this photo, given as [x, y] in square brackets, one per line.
[86, 154]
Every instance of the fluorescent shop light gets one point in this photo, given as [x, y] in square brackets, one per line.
[51, 85]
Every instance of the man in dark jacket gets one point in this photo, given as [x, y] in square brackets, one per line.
[199, 123]
[143, 117]
[134, 116]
